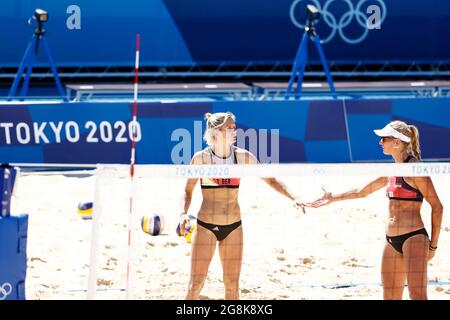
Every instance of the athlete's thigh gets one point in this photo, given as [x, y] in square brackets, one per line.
[203, 247]
[415, 254]
[392, 273]
[231, 251]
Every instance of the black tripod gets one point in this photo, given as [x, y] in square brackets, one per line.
[302, 54]
[29, 58]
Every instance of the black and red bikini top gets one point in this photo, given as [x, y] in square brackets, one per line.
[398, 189]
[213, 183]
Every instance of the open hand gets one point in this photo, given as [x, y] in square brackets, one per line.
[431, 254]
[327, 198]
[299, 205]
[184, 224]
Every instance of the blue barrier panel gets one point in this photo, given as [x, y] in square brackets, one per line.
[430, 116]
[13, 257]
[170, 133]
[90, 133]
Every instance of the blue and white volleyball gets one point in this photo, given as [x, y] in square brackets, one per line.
[153, 225]
[85, 210]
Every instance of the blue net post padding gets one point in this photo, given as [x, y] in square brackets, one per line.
[7, 179]
[13, 256]
[13, 241]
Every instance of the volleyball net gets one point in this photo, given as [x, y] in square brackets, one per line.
[331, 252]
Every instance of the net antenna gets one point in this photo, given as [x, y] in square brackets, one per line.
[105, 173]
[130, 256]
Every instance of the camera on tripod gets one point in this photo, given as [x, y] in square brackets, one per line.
[313, 15]
[40, 16]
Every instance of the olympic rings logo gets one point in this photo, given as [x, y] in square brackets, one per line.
[338, 25]
[5, 290]
[318, 171]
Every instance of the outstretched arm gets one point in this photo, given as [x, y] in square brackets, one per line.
[280, 187]
[363, 192]
[283, 189]
[276, 184]
[426, 187]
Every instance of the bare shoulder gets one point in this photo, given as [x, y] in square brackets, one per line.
[199, 156]
[245, 157]
[415, 180]
[425, 180]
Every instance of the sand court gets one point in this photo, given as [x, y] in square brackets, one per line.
[333, 252]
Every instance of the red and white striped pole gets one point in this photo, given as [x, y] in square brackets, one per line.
[136, 78]
[130, 262]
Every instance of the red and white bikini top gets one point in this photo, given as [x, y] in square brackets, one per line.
[213, 183]
[398, 189]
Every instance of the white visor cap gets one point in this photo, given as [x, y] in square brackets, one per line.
[388, 131]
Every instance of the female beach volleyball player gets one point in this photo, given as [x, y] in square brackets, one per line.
[219, 218]
[408, 247]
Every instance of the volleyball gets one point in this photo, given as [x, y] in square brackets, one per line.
[190, 229]
[153, 225]
[85, 210]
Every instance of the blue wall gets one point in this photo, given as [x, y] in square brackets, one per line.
[305, 131]
[13, 256]
[176, 32]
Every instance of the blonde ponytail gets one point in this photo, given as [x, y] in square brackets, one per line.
[415, 145]
[411, 131]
